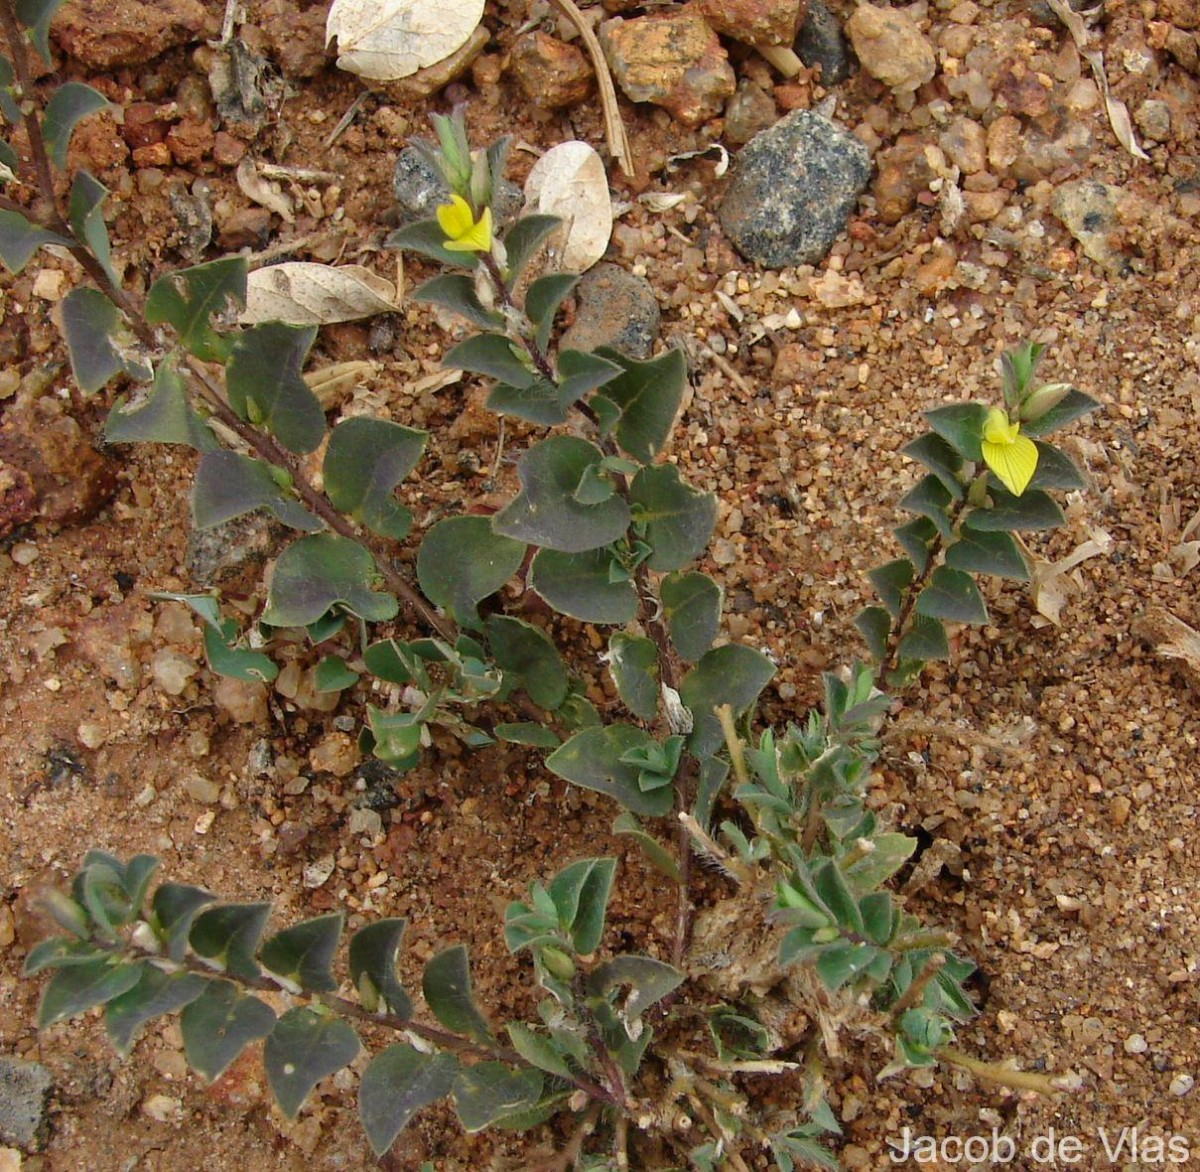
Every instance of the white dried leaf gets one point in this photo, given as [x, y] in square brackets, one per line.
[301, 293]
[385, 40]
[263, 191]
[1049, 581]
[569, 181]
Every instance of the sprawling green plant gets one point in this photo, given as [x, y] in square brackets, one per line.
[610, 532]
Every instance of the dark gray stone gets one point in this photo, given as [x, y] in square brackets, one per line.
[821, 43]
[794, 189]
[616, 309]
[24, 1103]
[419, 190]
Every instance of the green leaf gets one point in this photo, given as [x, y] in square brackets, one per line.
[365, 461]
[891, 852]
[462, 561]
[36, 15]
[539, 1050]
[19, 240]
[734, 675]
[940, 458]
[68, 105]
[219, 1025]
[536, 403]
[987, 553]
[163, 416]
[229, 485]
[492, 355]
[692, 608]
[633, 662]
[188, 299]
[172, 911]
[304, 953]
[8, 157]
[92, 328]
[392, 661]
[874, 624]
[580, 372]
[9, 107]
[916, 537]
[529, 660]
[446, 984]
[156, 994]
[332, 675]
[678, 519]
[738, 1036]
[579, 585]
[545, 512]
[62, 952]
[79, 987]
[316, 573]
[427, 238]
[373, 952]
[266, 387]
[842, 963]
[1033, 509]
[592, 759]
[960, 425]
[930, 498]
[398, 1083]
[1055, 470]
[523, 239]
[649, 981]
[891, 582]
[713, 772]
[658, 855]
[227, 937]
[394, 737]
[1017, 368]
[304, 1047]
[580, 893]
[239, 663]
[925, 640]
[486, 1093]
[85, 211]
[1073, 406]
[952, 595]
[456, 292]
[644, 400]
[527, 732]
[542, 301]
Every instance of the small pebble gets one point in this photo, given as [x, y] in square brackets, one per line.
[1181, 1085]
[202, 790]
[91, 735]
[1136, 1044]
[163, 1109]
[24, 553]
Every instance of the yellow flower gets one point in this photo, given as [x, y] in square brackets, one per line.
[1010, 455]
[464, 233]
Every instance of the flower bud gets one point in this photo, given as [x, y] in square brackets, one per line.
[556, 962]
[1038, 402]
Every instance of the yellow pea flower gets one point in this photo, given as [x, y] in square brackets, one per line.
[1010, 455]
[464, 233]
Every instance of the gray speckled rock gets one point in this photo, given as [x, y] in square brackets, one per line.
[24, 1101]
[793, 190]
[419, 189]
[616, 309]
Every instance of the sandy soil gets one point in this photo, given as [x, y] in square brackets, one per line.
[1053, 766]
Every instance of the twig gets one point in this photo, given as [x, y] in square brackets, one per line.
[274, 453]
[1020, 1080]
[614, 128]
[347, 118]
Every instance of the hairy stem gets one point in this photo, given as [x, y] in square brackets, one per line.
[1021, 1080]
